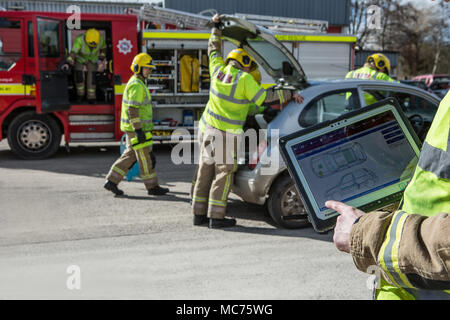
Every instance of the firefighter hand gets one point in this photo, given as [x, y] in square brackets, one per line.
[140, 135]
[344, 223]
[297, 98]
[216, 18]
[101, 65]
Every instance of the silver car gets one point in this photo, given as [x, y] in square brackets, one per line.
[322, 101]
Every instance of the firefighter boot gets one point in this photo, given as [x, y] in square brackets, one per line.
[200, 219]
[111, 186]
[221, 223]
[157, 191]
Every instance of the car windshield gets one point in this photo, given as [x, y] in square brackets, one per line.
[267, 51]
[272, 55]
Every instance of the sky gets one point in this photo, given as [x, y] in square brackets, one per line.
[422, 3]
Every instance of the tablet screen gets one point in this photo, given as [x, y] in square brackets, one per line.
[364, 159]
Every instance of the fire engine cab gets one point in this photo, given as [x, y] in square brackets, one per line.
[37, 100]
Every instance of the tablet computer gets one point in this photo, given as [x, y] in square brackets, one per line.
[364, 158]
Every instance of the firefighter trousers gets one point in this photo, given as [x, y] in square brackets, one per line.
[127, 160]
[81, 83]
[218, 163]
[194, 178]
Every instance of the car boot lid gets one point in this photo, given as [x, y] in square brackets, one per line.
[266, 50]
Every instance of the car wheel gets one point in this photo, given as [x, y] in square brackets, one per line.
[285, 205]
[34, 136]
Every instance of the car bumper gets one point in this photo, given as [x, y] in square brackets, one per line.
[252, 186]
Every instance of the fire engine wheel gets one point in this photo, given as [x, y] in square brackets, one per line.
[34, 136]
[285, 205]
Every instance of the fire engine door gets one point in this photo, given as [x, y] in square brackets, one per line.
[49, 51]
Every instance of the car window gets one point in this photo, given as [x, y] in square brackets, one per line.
[413, 104]
[329, 106]
[440, 85]
[442, 78]
[270, 53]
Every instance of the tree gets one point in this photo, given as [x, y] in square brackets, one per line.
[358, 22]
[420, 34]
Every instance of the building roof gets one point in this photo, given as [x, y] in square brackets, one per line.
[62, 5]
[336, 12]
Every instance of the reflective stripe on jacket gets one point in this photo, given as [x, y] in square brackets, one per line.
[410, 250]
[428, 193]
[136, 95]
[368, 74]
[83, 52]
[232, 93]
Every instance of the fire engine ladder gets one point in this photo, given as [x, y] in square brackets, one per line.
[160, 15]
[286, 24]
[182, 20]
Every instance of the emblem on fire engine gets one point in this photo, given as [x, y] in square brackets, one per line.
[124, 46]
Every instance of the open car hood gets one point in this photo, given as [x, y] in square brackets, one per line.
[268, 52]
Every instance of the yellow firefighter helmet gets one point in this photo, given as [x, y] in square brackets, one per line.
[241, 56]
[92, 37]
[141, 60]
[381, 62]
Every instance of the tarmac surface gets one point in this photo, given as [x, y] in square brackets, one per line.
[62, 236]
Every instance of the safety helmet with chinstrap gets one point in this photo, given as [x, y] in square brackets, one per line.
[140, 61]
[380, 61]
[241, 56]
[92, 37]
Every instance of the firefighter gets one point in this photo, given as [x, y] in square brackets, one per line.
[256, 74]
[411, 250]
[233, 90]
[137, 123]
[88, 48]
[377, 67]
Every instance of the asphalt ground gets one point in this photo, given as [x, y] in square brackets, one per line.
[62, 236]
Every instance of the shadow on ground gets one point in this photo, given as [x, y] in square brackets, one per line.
[95, 161]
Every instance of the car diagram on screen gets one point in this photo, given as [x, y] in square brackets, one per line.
[351, 183]
[338, 159]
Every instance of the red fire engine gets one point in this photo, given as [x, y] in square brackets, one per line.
[36, 98]
[38, 102]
